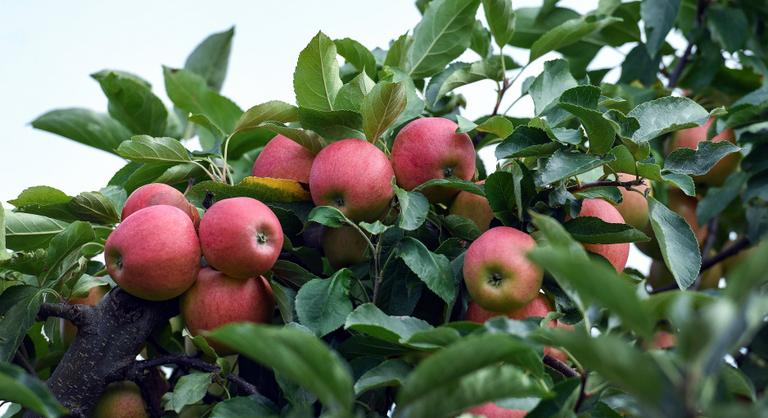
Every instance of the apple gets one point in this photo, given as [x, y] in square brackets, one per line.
[430, 148]
[616, 254]
[154, 254]
[217, 299]
[685, 206]
[68, 329]
[241, 237]
[355, 177]
[283, 158]
[498, 275]
[634, 206]
[158, 194]
[473, 207]
[121, 400]
[664, 339]
[690, 138]
[491, 410]
[344, 246]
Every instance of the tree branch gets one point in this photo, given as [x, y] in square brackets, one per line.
[560, 367]
[79, 315]
[701, 9]
[604, 183]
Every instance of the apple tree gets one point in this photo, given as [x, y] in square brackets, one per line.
[351, 255]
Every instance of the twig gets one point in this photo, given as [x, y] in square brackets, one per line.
[560, 367]
[582, 392]
[701, 9]
[75, 313]
[712, 227]
[603, 183]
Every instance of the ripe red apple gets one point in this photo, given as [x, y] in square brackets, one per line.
[664, 340]
[344, 246]
[430, 148]
[685, 206]
[491, 410]
[158, 194]
[241, 237]
[217, 299]
[120, 400]
[353, 176]
[690, 138]
[67, 329]
[473, 207]
[498, 275]
[634, 206]
[616, 254]
[283, 158]
[154, 254]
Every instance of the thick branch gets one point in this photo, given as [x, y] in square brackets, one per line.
[77, 314]
[560, 367]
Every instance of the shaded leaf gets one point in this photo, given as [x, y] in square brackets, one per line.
[501, 20]
[658, 17]
[24, 231]
[433, 269]
[677, 243]
[323, 304]
[667, 114]
[316, 79]
[272, 111]
[568, 33]
[357, 55]
[144, 148]
[210, 58]
[594, 230]
[26, 390]
[85, 126]
[369, 319]
[132, 103]
[414, 208]
[190, 389]
[699, 161]
[390, 372]
[381, 108]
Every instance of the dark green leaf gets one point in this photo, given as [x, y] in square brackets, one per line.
[622, 124]
[481, 39]
[94, 207]
[397, 56]
[581, 101]
[381, 108]
[563, 164]
[568, 33]
[357, 55]
[272, 111]
[18, 386]
[323, 304]
[433, 269]
[190, 92]
[328, 216]
[292, 272]
[285, 298]
[461, 227]
[85, 126]
[460, 74]
[723, 21]
[718, 198]
[3, 248]
[388, 373]
[243, 406]
[639, 66]
[370, 320]
[501, 19]
[666, 114]
[132, 103]
[550, 84]
[699, 161]
[332, 125]
[658, 17]
[210, 58]
[682, 181]
[190, 389]
[453, 183]
[304, 137]
[596, 231]
[25, 231]
[316, 79]
[74, 236]
[609, 193]
[351, 95]
[677, 243]
[414, 208]
[526, 141]
[44, 200]
[146, 149]
[18, 311]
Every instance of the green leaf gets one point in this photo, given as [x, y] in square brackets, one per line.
[85, 126]
[563, 164]
[497, 125]
[677, 243]
[556, 235]
[323, 304]
[658, 17]
[381, 108]
[292, 272]
[462, 227]
[328, 216]
[146, 149]
[375, 228]
[332, 125]
[243, 406]
[682, 181]
[594, 230]
[568, 33]
[625, 126]
[414, 208]
[722, 21]
[132, 103]
[210, 58]
[304, 137]
[357, 55]
[433, 269]
[453, 183]
[190, 92]
[44, 200]
[369, 319]
[460, 74]
[442, 35]
[316, 79]
[272, 111]
[526, 141]
[390, 372]
[481, 39]
[718, 198]
[26, 390]
[94, 207]
[74, 236]
[24, 231]
[666, 114]
[501, 192]
[609, 193]
[501, 20]
[19, 306]
[581, 101]
[351, 95]
[3, 248]
[296, 355]
[190, 389]
[548, 86]
[699, 161]
[285, 298]
[397, 56]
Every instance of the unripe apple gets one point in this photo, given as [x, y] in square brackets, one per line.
[497, 272]
[344, 246]
[491, 410]
[154, 254]
[120, 400]
[241, 237]
[68, 329]
[634, 206]
[685, 206]
[473, 207]
[616, 254]
[217, 299]
[430, 148]
[283, 158]
[355, 177]
[159, 194]
[690, 138]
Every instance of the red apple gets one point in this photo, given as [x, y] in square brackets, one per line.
[94, 296]
[154, 254]
[241, 237]
[430, 148]
[491, 410]
[353, 176]
[616, 254]
[473, 207]
[634, 206]
[120, 400]
[664, 340]
[283, 158]
[217, 299]
[344, 246]
[158, 194]
[690, 138]
[498, 275]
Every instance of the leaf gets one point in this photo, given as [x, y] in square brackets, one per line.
[44, 200]
[414, 208]
[677, 243]
[453, 183]
[351, 95]
[26, 390]
[500, 190]
[190, 92]
[357, 55]
[210, 58]
[369, 319]
[242, 406]
[623, 125]
[718, 198]
[268, 190]
[682, 181]
[143, 148]
[74, 236]
[550, 84]
[658, 18]
[390, 372]
[375, 228]
[381, 108]
[433, 269]
[462, 227]
[481, 39]
[323, 304]
[272, 111]
[568, 33]
[563, 164]
[190, 389]
[526, 141]
[460, 74]
[296, 355]
[397, 55]
[85, 126]
[94, 207]
[332, 125]
[666, 114]
[594, 230]
[316, 79]
[25, 231]
[609, 193]
[442, 35]
[699, 161]
[497, 125]
[3, 248]
[18, 311]
[292, 272]
[306, 138]
[132, 103]
[582, 101]
[501, 20]
[722, 21]
[328, 216]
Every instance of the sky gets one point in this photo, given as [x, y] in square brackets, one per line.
[49, 48]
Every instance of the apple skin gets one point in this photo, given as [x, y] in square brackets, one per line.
[68, 329]
[241, 237]
[690, 138]
[616, 254]
[344, 246]
[491, 410]
[685, 206]
[430, 148]
[283, 158]
[121, 400]
[217, 299]
[158, 194]
[154, 254]
[498, 275]
[634, 206]
[355, 177]
[473, 207]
